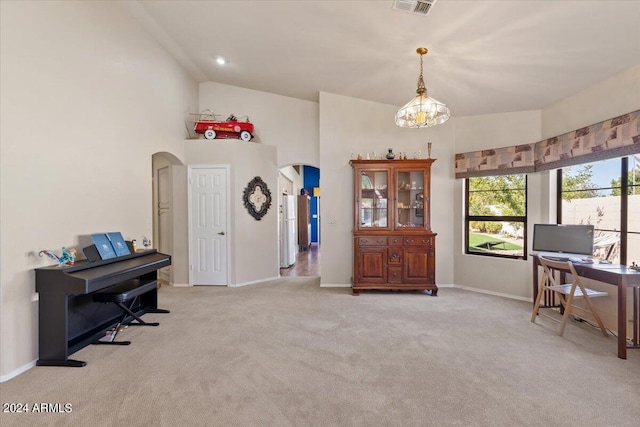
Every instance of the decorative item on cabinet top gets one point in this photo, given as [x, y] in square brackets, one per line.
[400, 158]
[390, 154]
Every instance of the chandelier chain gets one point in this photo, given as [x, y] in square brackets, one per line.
[421, 86]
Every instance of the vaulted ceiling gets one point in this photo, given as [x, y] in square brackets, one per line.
[484, 56]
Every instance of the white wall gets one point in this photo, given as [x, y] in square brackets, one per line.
[349, 125]
[87, 98]
[253, 244]
[287, 123]
[613, 97]
[345, 125]
[609, 98]
[180, 204]
[483, 132]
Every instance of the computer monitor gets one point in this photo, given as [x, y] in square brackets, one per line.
[563, 238]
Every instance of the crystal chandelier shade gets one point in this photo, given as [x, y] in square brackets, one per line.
[422, 111]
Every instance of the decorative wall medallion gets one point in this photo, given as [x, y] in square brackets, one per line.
[257, 198]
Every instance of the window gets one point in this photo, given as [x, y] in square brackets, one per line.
[496, 216]
[605, 194]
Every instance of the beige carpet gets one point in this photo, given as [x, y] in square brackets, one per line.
[289, 353]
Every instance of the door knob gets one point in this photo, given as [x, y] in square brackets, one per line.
[221, 233]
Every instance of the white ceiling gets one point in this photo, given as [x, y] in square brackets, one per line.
[484, 56]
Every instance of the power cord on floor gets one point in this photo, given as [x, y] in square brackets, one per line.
[578, 319]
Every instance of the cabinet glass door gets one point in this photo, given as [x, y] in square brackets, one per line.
[410, 199]
[373, 198]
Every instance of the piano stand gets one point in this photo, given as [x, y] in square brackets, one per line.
[68, 363]
[69, 319]
[111, 343]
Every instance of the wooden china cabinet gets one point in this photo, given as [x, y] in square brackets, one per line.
[394, 247]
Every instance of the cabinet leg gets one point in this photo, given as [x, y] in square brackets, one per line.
[356, 293]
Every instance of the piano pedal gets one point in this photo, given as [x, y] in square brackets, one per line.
[110, 336]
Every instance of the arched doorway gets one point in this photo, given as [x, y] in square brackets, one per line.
[299, 201]
[167, 171]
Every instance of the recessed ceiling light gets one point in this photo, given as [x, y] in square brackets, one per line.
[220, 60]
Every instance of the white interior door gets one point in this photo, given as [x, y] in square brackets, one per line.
[208, 229]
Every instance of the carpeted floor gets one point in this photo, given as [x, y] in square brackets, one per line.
[289, 353]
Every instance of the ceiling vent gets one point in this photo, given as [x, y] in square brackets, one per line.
[420, 7]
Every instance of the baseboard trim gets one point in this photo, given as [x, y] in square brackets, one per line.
[254, 282]
[446, 285]
[17, 371]
[484, 291]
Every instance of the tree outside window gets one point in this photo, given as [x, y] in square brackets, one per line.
[597, 194]
[496, 216]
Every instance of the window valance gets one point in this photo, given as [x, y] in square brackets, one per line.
[616, 137]
[496, 161]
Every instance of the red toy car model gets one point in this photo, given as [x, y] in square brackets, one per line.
[230, 128]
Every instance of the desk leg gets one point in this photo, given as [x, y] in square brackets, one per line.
[535, 278]
[52, 338]
[636, 314]
[622, 320]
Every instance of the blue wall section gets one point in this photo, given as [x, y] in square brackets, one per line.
[311, 178]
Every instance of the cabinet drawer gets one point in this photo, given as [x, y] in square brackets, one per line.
[394, 275]
[372, 241]
[395, 241]
[395, 255]
[417, 241]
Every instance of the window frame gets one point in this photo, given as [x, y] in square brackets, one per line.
[506, 218]
[624, 204]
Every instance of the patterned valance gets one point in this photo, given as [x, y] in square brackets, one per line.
[612, 138]
[616, 137]
[496, 161]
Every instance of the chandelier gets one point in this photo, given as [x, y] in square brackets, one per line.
[422, 111]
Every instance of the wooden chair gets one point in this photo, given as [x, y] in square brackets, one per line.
[566, 292]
